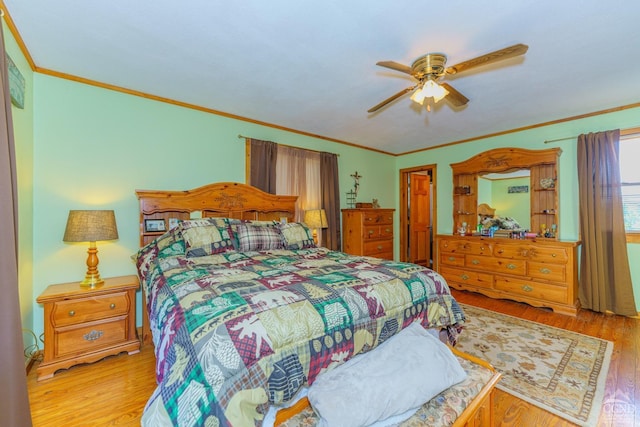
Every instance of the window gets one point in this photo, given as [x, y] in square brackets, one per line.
[630, 179]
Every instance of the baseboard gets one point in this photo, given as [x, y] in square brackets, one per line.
[32, 360]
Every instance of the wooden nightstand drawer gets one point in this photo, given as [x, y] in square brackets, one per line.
[73, 312]
[377, 218]
[73, 341]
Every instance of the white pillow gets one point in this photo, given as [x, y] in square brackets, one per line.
[402, 373]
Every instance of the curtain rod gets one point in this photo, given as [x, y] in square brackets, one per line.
[547, 141]
[290, 146]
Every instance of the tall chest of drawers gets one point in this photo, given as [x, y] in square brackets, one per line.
[542, 273]
[368, 232]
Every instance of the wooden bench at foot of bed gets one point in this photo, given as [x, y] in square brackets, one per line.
[467, 404]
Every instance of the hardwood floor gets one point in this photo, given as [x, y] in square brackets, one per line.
[113, 392]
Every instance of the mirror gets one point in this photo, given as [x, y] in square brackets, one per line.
[531, 198]
[508, 194]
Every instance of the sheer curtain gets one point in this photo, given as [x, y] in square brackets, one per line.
[14, 399]
[298, 174]
[604, 267]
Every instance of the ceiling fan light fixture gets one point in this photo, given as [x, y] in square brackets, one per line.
[429, 89]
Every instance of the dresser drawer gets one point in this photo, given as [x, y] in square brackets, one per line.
[467, 277]
[465, 247]
[550, 255]
[452, 259]
[378, 232]
[377, 218]
[497, 265]
[89, 337]
[540, 291]
[552, 272]
[73, 312]
[378, 247]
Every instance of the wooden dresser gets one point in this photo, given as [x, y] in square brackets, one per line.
[540, 272]
[368, 232]
[83, 325]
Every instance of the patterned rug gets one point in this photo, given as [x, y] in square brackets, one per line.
[560, 371]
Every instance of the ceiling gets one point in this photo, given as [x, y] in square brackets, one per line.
[310, 66]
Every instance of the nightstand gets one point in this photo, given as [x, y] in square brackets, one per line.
[83, 325]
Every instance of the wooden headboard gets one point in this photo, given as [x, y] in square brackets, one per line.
[159, 209]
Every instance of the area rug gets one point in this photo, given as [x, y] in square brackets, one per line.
[560, 371]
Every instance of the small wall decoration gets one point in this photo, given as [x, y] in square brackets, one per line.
[16, 84]
[462, 190]
[356, 182]
[375, 204]
[518, 189]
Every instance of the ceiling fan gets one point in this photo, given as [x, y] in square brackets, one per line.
[430, 68]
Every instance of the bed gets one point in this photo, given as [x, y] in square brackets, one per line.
[243, 309]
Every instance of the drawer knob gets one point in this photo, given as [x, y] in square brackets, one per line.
[464, 277]
[500, 251]
[545, 271]
[72, 313]
[387, 230]
[553, 255]
[452, 258]
[511, 266]
[93, 335]
[370, 231]
[112, 306]
[379, 247]
[475, 262]
[527, 288]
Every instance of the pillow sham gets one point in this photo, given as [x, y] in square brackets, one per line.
[296, 236]
[233, 227]
[258, 237]
[404, 372]
[207, 236]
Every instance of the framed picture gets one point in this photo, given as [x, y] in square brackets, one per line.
[154, 225]
[519, 189]
[173, 223]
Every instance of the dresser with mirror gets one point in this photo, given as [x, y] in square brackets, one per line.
[526, 261]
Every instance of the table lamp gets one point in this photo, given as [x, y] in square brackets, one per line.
[316, 218]
[91, 226]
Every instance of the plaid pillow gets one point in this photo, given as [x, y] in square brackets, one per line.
[296, 236]
[233, 227]
[207, 236]
[258, 238]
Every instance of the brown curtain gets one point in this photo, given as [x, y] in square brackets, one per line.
[14, 399]
[263, 165]
[604, 270]
[330, 193]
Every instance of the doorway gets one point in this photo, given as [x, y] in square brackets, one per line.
[417, 214]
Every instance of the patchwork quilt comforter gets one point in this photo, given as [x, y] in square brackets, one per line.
[238, 331]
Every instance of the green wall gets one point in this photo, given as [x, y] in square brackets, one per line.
[23, 134]
[531, 139]
[94, 147]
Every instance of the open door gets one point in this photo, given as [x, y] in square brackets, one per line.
[417, 214]
[420, 219]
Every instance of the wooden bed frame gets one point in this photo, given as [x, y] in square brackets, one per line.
[224, 199]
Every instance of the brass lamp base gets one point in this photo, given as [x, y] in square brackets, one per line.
[92, 278]
[92, 281]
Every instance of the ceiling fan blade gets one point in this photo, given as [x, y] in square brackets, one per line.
[489, 58]
[395, 66]
[391, 99]
[455, 97]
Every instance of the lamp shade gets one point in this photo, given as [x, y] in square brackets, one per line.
[316, 218]
[90, 226]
